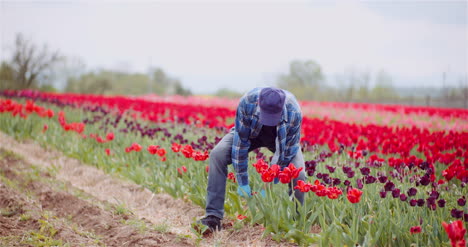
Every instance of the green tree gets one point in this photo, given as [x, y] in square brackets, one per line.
[383, 89]
[227, 93]
[121, 83]
[305, 80]
[6, 76]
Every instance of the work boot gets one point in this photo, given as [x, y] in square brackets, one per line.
[212, 222]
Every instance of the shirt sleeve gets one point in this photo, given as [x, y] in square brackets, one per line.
[241, 144]
[293, 137]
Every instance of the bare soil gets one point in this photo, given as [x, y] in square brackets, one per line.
[46, 196]
[37, 209]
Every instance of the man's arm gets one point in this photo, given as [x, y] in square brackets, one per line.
[241, 144]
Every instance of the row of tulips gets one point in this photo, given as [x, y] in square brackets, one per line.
[421, 117]
[366, 176]
[449, 148]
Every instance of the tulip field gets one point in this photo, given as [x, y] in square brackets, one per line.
[378, 175]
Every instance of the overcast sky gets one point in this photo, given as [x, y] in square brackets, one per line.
[241, 44]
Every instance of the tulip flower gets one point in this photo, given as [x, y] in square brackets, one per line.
[415, 229]
[176, 147]
[110, 136]
[153, 149]
[303, 186]
[241, 217]
[456, 232]
[231, 177]
[354, 195]
[181, 170]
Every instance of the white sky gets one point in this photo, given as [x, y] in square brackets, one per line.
[241, 44]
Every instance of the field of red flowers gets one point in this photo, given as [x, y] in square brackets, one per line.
[378, 175]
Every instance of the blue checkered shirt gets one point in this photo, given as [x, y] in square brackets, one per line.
[247, 127]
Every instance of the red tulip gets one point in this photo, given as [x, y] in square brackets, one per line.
[153, 149]
[303, 186]
[181, 170]
[187, 151]
[232, 177]
[260, 166]
[110, 136]
[176, 147]
[456, 232]
[415, 229]
[334, 192]
[354, 195]
[241, 217]
[136, 147]
[161, 152]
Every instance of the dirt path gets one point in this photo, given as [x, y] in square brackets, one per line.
[161, 211]
[39, 210]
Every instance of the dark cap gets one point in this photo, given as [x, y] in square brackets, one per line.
[271, 101]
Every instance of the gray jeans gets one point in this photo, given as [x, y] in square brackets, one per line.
[220, 158]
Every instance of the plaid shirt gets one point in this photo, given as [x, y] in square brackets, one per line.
[247, 126]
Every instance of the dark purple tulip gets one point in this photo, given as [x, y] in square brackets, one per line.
[396, 193]
[441, 203]
[310, 173]
[357, 164]
[403, 197]
[434, 194]
[412, 191]
[389, 186]
[465, 216]
[319, 175]
[347, 169]
[394, 174]
[456, 213]
[331, 169]
[365, 171]
[430, 200]
[350, 174]
[383, 179]
[421, 202]
[359, 183]
[370, 179]
[347, 182]
[383, 194]
[425, 180]
[336, 181]
[413, 202]
[432, 206]
[461, 201]
[311, 164]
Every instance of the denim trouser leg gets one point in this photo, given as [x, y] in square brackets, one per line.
[220, 158]
[298, 162]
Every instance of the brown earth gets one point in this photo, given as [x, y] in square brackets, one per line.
[36, 211]
[47, 196]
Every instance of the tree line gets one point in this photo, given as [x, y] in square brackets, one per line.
[36, 67]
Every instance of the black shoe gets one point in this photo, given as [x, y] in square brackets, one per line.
[212, 222]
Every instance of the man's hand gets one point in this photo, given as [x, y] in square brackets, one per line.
[244, 191]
